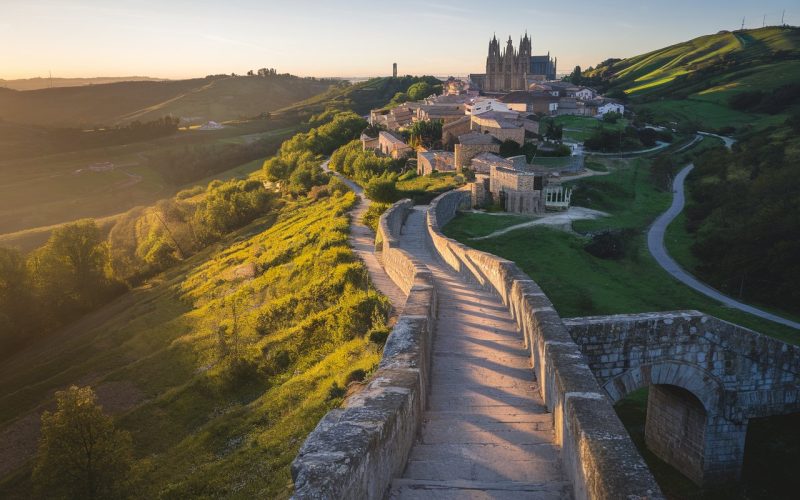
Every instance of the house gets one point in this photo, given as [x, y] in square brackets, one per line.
[471, 144]
[585, 94]
[531, 102]
[445, 112]
[484, 104]
[369, 143]
[392, 119]
[451, 131]
[440, 161]
[392, 146]
[503, 126]
[609, 107]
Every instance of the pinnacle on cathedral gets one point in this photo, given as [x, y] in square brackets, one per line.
[513, 69]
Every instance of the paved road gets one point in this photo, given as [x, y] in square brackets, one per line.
[486, 432]
[362, 240]
[655, 242]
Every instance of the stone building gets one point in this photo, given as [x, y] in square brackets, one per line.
[471, 144]
[501, 125]
[513, 70]
[517, 191]
[531, 102]
[392, 146]
[451, 131]
[392, 119]
[441, 161]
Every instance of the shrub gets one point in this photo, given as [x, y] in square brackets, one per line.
[382, 189]
[609, 245]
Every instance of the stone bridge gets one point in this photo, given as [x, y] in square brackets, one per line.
[483, 391]
[706, 377]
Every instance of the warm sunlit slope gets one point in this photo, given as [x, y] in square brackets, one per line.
[200, 100]
[219, 367]
[743, 52]
[695, 80]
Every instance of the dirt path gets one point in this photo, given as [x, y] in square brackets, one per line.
[362, 240]
[561, 220]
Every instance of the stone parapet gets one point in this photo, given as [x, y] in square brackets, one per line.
[597, 453]
[355, 451]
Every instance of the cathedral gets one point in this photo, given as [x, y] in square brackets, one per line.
[513, 70]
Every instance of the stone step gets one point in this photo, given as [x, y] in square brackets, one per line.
[483, 453]
[491, 415]
[410, 489]
[463, 432]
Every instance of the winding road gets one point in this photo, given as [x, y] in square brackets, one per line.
[655, 243]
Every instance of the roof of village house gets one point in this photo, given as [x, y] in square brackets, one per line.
[526, 97]
[476, 138]
[490, 157]
[391, 138]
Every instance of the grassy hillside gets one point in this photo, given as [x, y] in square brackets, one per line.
[40, 191]
[221, 366]
[197, 100]
[361, 97]
[694, 80]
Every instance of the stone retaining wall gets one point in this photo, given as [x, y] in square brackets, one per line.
[355, 451]
[597, 453]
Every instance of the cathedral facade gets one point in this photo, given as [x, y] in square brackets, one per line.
[512, 69]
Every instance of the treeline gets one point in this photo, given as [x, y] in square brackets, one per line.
[625, 139]
[743, 211]
[59, 282]
[296, 167]
[772, 102]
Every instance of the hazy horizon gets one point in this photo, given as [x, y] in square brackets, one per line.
[88, 38]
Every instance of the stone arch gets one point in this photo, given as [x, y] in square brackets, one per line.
[702, 384]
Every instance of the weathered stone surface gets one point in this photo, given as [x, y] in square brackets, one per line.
[597, 453]
[733, 372]
[354, 452]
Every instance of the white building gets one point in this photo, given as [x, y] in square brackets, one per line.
[483, 104]
[585, 94]
[609, 107]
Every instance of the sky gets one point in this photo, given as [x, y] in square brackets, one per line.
[193, 38]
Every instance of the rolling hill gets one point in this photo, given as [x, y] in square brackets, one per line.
[694, 80]
[196, 100]
[46, 83]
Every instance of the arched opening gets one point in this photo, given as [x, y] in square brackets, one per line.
[666, 423]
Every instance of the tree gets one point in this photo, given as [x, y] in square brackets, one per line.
[81, 454]
[69, 270]
[576, 76]
[15, 298]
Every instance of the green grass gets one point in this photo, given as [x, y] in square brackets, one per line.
[424, 188]
[479, 224]
[199, 429]
[580, 284]
[580, 128]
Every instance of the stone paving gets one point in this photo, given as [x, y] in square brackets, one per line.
[486, 433]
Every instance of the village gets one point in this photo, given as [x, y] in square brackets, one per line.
[511, 107]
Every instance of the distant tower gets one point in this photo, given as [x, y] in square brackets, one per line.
[394, 70]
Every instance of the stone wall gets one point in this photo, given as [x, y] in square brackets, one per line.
[675, 428]
[355, 451]
[735, 373]
[597, 452]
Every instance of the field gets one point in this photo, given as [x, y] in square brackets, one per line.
[211, 419]
[197, 100]
[580, 284]
[40, 192]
